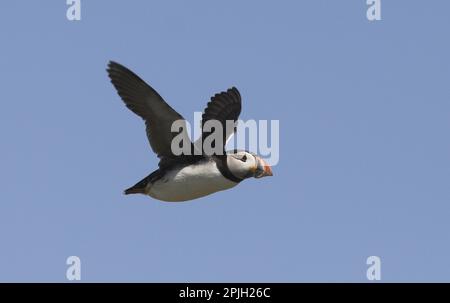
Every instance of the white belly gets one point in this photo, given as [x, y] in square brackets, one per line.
[189, 183]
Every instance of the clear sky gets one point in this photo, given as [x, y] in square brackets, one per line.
[364, 111]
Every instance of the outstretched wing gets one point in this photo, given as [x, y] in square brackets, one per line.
[224, 106]
[145, 102]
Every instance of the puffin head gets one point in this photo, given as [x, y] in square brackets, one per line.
[244, 164]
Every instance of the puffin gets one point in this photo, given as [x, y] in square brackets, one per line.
[186, 176]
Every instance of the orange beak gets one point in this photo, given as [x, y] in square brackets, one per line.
[262, 168]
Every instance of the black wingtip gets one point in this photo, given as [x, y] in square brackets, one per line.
[111, 66]
[112, 63]
[235, 90]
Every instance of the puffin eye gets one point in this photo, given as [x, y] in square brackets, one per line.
[244, 158]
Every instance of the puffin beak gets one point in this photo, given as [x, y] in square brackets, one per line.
[262, 168]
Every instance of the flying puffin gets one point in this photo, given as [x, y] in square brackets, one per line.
[186, 176]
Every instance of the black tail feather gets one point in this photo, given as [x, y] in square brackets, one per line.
[141, 186]
[134, 190]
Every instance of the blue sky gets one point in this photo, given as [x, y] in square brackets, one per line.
[364, 111]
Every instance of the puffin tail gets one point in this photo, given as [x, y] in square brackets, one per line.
[142, 186]
[134, 190]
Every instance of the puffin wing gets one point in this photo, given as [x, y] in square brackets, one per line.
[223, 107]
[145, 102]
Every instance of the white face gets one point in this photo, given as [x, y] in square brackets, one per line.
[242, 164]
